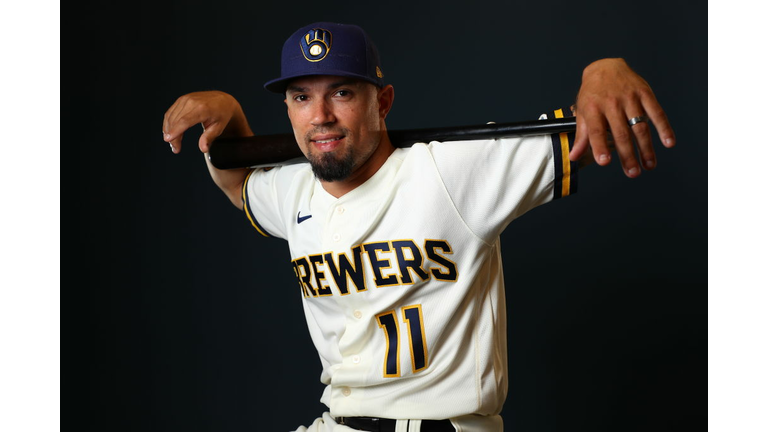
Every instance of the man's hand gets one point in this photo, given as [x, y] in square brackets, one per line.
[216, 111]
[611, 93]
[220, 114]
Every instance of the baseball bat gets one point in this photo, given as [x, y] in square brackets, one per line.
[279, 149]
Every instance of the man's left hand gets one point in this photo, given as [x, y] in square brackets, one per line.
[611, 94]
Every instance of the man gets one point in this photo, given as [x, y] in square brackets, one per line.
[396, 250]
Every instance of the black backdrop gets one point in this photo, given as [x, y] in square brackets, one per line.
[194, 320]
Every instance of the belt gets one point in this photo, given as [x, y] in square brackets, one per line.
[373, 424]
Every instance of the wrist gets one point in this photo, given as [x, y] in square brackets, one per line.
[603, 64]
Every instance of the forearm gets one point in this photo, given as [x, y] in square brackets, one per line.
[230, 181]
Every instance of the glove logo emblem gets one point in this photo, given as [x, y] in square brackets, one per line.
[316, 44]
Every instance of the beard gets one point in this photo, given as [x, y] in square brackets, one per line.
[327, 167]
[336, 166]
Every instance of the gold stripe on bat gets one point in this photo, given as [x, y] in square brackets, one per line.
[564, 152]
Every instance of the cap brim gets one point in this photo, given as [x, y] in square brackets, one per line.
[279, 85]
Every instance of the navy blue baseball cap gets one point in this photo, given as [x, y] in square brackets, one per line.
[325, 48]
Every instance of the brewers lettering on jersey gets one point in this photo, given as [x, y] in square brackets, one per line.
[396, 251]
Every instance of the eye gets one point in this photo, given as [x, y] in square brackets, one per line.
[300, 98]
[343, 93]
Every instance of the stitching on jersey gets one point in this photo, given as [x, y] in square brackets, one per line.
[450, 198]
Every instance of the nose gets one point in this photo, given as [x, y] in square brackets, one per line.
[322, 113]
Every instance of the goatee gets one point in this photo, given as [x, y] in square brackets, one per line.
[327, 167]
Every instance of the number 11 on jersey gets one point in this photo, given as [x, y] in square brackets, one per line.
[413, 317]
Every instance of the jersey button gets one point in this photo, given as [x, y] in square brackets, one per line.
[346, 391]
[358, 314]
[339, 210]
[356, 359]
[336, 237]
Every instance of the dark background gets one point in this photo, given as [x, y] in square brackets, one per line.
[194, 320]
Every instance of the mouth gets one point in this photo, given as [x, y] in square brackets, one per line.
[326, 143]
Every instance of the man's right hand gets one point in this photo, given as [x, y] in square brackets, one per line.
[219, 114]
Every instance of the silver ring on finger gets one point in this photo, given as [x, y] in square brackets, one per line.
[635, 120]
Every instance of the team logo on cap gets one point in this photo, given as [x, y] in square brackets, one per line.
[316, 44]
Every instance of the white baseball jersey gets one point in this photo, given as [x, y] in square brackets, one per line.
[401, 278]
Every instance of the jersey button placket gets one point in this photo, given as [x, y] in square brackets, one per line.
[337, 224]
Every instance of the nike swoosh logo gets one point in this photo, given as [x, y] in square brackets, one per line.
[300, 219]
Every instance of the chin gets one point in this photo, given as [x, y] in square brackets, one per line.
[329, 168]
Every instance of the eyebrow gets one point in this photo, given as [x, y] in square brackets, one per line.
[337, 84]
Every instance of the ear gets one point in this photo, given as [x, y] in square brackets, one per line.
[386, 97]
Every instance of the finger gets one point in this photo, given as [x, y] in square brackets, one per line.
[642, 133]
[625, 147]
[211, 131]
[166, 117]
[659, 118]
[180, 121]
[597, 130]
[170, 122]
[207, 137]
[166, 126]
[580, 142]
[174, 143]
[175, 112]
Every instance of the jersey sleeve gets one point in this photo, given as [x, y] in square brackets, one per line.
[566, 172]
[262, 193]
[492, 182]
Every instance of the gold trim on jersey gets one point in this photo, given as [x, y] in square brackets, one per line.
[391, 335]
[452, 274]
[564, 153]
[305, 279]
[322, 289]
[419, 322]
[247, 209]
[350, 271]
[407, 266]
[385, 264]
[379, 278]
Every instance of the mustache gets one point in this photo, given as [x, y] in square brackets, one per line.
[325, 130]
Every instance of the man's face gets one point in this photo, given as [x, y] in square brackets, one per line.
[337, 122]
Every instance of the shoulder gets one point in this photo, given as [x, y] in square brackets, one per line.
[279, 179]
[284, 172]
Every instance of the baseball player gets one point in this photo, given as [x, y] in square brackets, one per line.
[396, 250]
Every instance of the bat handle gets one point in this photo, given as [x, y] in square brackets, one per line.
[240, 152]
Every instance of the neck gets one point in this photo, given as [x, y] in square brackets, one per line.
[364, 171]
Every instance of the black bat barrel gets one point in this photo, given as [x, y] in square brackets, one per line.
[262, 150]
